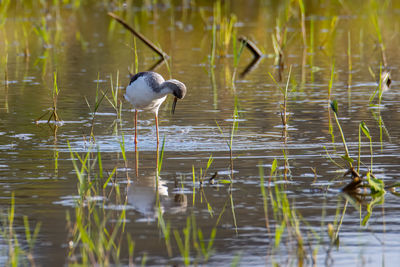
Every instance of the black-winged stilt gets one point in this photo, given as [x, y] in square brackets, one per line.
[147, 91]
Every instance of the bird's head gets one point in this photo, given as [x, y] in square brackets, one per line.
[178, 90]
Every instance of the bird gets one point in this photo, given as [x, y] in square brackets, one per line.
[147, 91]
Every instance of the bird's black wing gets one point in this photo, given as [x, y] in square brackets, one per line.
[137, 75]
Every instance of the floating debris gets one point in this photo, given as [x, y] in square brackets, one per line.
[212, 179]
[385, 81]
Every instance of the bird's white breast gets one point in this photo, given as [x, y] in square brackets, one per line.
[142, 96]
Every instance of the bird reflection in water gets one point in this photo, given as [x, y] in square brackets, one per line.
[145, 195]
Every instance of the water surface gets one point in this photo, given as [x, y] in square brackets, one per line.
[86, 53]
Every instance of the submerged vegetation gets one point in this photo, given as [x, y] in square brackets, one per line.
[125, 208]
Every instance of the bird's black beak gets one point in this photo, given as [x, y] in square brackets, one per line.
[174, 105]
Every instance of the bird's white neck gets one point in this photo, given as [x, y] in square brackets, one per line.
[166, 88]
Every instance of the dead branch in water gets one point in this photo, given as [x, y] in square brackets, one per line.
[139, 35]
[257, 54]
[252, 65]
[251, 46]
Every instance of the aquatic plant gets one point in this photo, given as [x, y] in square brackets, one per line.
[286, 218]
[285, 92]
[123, 153]
[383, 85]
[213, 45]
[311, 51]
[349, 68]
[53, 110]
[55, 97]
[334, 229]
[116, 104]
[375, 22]
[98, 99]
[26, 32]
[184, 246]
[6, 71]
[16, 254]
[92, 236]
[331, 81]
[165, 228]
[97, 240]
[43, 33]
[202, 174]
[363, 128]
[229, 142]
[160, 157]
[83, 173]
[376, 185]
[332, 28]
[201, 181]
[346, 157]
[263, 193]
[3, 11]
[114, 100]
[135, 53]
[222, 30]
[279, 37]
[203, 248]
[303, 22]
[237, 52]
[234, 128]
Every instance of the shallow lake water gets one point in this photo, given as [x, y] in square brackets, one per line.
[88, 50]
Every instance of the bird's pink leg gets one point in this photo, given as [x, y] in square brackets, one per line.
[136, 152]
[158, 142]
